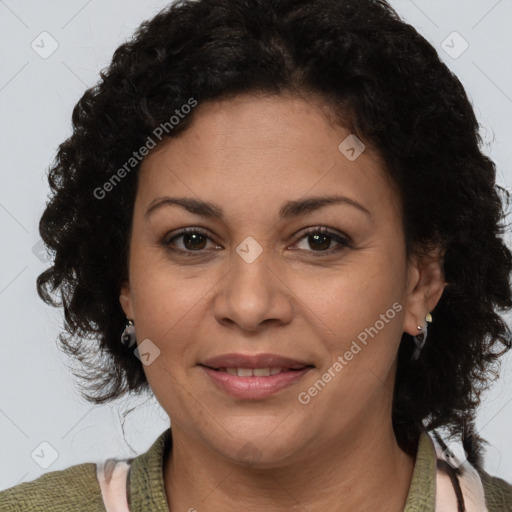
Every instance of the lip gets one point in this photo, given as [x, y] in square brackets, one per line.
[252, 388]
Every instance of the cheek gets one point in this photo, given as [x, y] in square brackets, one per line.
[364, 320]
[360, 306]
[169, 305]
[167, 313]
[154, 299]
[164, 308]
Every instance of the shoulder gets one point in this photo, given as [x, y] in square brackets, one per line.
[74, 488]
[498, 493]
[481, 491]
[87, 487]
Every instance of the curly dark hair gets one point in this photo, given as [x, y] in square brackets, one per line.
[386, 84]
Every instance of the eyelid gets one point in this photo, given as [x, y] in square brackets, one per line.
[324, 230]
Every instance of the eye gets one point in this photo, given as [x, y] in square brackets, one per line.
[193, 241]
[320, 239]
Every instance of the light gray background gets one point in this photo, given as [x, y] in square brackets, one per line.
[39, 401]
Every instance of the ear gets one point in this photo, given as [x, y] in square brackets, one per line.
[425, 286]
[125, 298]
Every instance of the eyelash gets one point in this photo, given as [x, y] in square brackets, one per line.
[344, 241]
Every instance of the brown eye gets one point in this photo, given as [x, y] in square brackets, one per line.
[193, 240]
[320, 239]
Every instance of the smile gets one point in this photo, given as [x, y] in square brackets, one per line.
[254, 372]
[254, 383]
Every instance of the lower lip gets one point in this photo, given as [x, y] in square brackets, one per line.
[253, 388]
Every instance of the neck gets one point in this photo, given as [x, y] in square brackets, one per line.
[358, 473]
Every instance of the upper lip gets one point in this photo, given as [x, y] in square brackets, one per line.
[253, 361]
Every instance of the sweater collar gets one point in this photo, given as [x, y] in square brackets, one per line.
[422, 491]
[147, 489]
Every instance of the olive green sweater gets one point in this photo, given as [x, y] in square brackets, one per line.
[77, 488]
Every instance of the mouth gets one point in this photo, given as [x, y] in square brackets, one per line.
[254, 376]
[257, 372]
[261, 365]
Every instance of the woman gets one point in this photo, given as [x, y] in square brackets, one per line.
[275, 216]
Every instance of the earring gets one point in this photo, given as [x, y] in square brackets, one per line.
[419, 339]
[128, 336]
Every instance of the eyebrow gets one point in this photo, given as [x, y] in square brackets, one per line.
[288, 210]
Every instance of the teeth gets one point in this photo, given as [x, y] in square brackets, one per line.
[252, 372]
[261, 372]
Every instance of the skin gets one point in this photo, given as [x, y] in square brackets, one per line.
[248, 155]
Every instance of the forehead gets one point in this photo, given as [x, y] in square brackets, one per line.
[252, 150]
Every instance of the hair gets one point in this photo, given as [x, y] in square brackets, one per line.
[386, 84]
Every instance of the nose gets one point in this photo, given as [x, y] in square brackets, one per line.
[253, 294]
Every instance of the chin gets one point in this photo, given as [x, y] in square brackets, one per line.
[263, 452]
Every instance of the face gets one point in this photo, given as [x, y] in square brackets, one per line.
[326, 285]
